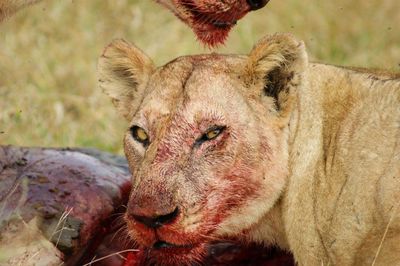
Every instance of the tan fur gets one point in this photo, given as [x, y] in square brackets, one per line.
[310, 160]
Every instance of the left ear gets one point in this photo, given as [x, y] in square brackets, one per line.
[123, 71]
[278, 62]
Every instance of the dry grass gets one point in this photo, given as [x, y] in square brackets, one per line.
[48, 93]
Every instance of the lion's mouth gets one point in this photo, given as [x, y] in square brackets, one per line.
[211, 28]
[203, 18]
[166, 253]
[164, 246]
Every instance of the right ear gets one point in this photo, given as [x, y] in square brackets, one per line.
[279, 63]
[123, 73]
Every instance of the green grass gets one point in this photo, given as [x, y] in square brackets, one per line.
[48, 53]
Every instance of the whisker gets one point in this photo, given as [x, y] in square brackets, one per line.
[110, 255]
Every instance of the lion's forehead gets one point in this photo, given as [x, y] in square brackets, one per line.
[195, 82]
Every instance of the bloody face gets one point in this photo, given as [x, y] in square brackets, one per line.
[201, 158]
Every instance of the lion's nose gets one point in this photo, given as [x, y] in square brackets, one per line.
[257, 4]
[156, 221]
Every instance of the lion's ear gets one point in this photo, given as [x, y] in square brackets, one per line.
[123, 72]
[277, 63]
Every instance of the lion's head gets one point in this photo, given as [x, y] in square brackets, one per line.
[207, 142]
[212, 20]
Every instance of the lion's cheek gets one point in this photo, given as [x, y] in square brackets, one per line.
[239, 207]
[229, 192]
[240, 195]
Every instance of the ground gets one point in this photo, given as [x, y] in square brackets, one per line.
[48, 56]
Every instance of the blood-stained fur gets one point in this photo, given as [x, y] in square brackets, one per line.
[211, 20]
[265, 147]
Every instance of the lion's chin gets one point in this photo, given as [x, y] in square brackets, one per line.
[212, 36]
[211, 28]
[176, 255]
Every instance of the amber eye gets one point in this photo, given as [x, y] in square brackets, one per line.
[211, 133]
[140, 135]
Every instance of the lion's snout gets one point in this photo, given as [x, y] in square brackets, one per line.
[154, 220]
[257, 4]
[152, 210]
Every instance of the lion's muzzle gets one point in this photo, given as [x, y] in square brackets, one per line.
[257, 4]
[154, 221]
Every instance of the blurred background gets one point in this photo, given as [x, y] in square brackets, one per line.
[48, 54]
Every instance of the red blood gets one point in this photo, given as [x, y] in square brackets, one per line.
[134, 258]
[130, 259]
[206, 15]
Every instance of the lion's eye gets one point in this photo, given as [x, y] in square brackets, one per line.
[212, 133]
[140, 135]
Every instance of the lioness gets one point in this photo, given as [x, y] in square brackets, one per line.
[211, 20]
[266, 147]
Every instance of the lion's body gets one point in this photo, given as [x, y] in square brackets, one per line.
[309, 159]
[337, 211]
